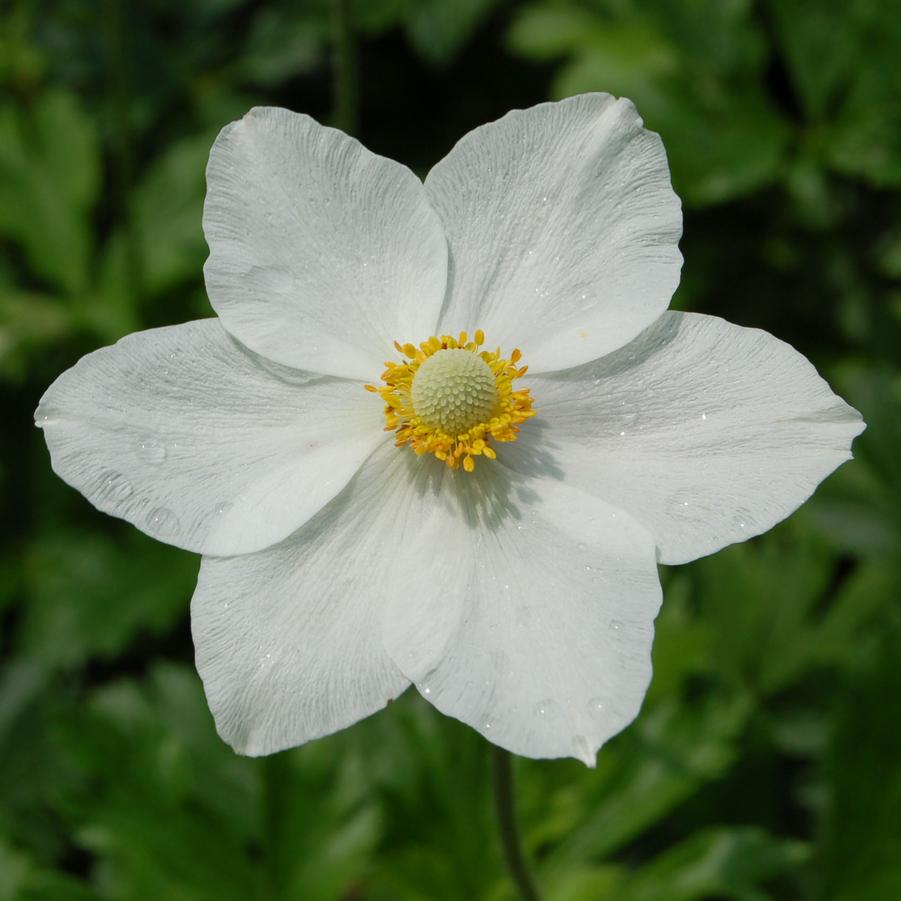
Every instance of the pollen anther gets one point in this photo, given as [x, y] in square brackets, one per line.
[451, 399]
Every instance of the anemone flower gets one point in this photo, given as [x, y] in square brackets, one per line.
[498, 548]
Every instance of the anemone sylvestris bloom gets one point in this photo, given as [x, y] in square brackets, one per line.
[381, 492]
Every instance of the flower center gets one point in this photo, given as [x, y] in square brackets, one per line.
[454, 390]
[451, 399]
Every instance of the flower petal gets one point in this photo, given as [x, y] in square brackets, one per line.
[287, 640]
[321, 253]
[202, 444]
[546, 649]
[705, 432]
[563, 229]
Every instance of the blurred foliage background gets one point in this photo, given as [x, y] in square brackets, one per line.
[767, 760]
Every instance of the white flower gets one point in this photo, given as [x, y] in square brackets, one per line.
[339, 566]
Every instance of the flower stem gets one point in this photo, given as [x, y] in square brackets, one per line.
[345, 102]
[502, 777]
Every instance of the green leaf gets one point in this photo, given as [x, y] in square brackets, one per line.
[433, 778]
[49, 177]
[860, 506]
[717, 863]
[821, 46]
[865, 140]
[759, 599]
[659, 762]
[439, 30]
[14, 869]
[29, 322]
[695, 72]
[544, 31]
[92, 595]
[280, 47]
[168, 809]
[843, 60]
[168, 210]
[857, 857]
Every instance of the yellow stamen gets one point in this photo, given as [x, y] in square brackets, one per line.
[450, 399]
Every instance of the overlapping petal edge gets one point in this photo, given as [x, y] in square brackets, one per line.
[693, 435]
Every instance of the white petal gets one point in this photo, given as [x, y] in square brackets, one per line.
[563, 230]
[705, 432]
[287, 640]
[321, 253]
[202, 444]
[542, 639]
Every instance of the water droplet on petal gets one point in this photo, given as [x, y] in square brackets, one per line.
[44, 414]
[596, 707]
[681, 503]
[616, 624]
[544, 707]
[115, 487]
[163, 522]
[223, 507]
[742, 520]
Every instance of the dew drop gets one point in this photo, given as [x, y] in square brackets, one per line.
[162, 521]
[544, 707]
[616, 624]
[115, 487]
[223, 508]
[44, 414]
[151, 452]
[680, 503]
[704, 416]
[742, 520]
[427, 691]
[596, 707]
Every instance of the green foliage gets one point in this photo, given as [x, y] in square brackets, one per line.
[695, 71]
[766, 762]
